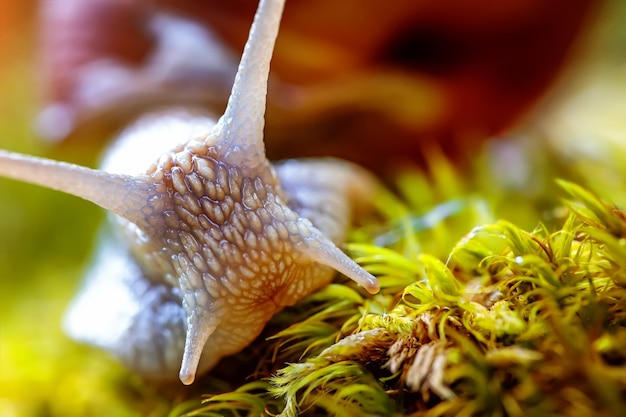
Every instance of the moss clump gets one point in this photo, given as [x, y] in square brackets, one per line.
[508, 323]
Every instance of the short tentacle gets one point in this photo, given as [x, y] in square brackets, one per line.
[199, 329]
[320, 249]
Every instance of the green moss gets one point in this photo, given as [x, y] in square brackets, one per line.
[506, 323]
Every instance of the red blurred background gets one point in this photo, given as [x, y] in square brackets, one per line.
[370, 82]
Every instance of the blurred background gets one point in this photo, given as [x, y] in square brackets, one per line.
[513, 94]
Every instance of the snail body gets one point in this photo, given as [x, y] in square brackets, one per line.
[210, 239]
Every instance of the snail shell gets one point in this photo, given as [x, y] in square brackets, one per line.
[210, 239]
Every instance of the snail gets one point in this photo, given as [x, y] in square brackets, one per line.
[209, 239]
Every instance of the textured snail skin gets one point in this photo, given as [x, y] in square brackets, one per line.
[217, 238]
[226, 251]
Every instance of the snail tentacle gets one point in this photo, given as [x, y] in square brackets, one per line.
[239, 134]
[323, 251]
[326, 193]
[123, 195]
[199, 329]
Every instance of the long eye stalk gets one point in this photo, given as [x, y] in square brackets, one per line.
[124, 195]
[239, 133]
